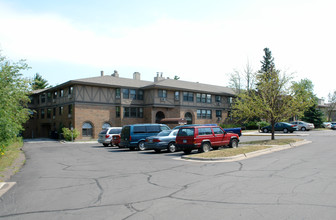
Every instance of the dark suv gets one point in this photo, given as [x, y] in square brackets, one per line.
[204, 138]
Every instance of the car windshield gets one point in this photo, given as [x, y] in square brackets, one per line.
[164, 133]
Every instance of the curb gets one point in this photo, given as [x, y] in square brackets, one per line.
[4, 187]
[274, 148]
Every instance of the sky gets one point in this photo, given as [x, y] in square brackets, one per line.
[197, 40]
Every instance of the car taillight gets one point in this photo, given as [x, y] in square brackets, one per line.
[130, 138]
[107, 136]
[156, 140]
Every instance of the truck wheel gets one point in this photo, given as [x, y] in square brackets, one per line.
[233, 143]
[187, 151]
[205, 147]
[141, 145]
[171, 147]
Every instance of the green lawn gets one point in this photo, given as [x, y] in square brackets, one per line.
[11, 154]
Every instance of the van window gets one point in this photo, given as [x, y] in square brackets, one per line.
[139, 129]
[185, 132]
[153, 129]
[204, 131]
[164, 128]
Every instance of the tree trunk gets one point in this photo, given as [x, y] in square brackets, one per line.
[273, 123]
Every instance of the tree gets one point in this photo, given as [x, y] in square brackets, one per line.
[313, 115]
[331, 104]
[273, 100]
[38, 82]
[176, 77]
[268, 62]
[13, 99]
[242, 80]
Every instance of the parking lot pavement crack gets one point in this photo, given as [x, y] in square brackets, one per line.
[100, 195]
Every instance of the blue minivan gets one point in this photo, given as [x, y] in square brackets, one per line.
[134, 136]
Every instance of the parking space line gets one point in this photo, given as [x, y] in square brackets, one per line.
[5, 186]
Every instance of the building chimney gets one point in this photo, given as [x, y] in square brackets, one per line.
[136, 75]
[159, 77]
[102, 73]
[115, 73]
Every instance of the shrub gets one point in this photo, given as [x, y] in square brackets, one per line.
[68, 134]
[263, 124]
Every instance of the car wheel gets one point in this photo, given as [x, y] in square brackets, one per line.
[303, 129]
[105, 145]
[233, 143]
[187, 151]
[285, 130]
[171, 147]
[265, 130]
[141, 145]
[157, 151]
[205, 147]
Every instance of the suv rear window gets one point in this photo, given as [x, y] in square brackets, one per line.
[103, 131]
[185, 132]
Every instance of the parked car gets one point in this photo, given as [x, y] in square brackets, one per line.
[105, 136]
[228, 130]
[303, 126]
[280, 126]
[333, 125]
[134, 136]
[165, 140]
[116, 140]
[326, 124]
[204, 138]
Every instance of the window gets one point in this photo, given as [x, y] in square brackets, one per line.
[217, 131]
[60, 112]
[117, 93]
[139, 129]
[140, 95]
[204, 131]
[118, 111]
[218, 113]
[125, 93]
[54, 113]
[203, 113]
[87, 129]
[229, 99]
[43, 98]
[49, 113]
[208, 98]
[198, 97]
[177, 95]
[37, 114]
[188, 96]
[70, 109]
[218, 98]
[55, 95]
[162, 93]
[42, 113]
[185, 132]
[133, 94]
[70, 90]
[61, 93]
[106, 125]
[49, 96]
[133, 112]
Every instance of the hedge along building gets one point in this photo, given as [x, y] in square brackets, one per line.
[91, 104]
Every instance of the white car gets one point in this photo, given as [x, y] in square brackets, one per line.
[303, 126]
[105, 136]
[326, 124]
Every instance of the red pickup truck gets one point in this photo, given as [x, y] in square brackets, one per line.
[204, 138]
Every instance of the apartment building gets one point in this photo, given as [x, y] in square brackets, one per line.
[91, 104]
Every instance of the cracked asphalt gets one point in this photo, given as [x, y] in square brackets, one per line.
[87, 181]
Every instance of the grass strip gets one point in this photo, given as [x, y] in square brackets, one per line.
[273, 142]
[12, 152]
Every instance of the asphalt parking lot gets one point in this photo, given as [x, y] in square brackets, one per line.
[88, 181]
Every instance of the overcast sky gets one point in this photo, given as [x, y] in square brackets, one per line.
[197, 40]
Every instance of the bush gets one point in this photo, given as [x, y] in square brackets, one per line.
[230, 125]
[68, 134]
[2, 150]
[263, 124]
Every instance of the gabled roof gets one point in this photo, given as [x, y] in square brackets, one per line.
[112, 81]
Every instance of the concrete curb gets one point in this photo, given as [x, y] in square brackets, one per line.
[274, 148]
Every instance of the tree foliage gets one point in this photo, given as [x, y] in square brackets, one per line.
[313, 115]
[242, 80]
[274, 99]
[268, 61]
[38, 82]
[13, 99]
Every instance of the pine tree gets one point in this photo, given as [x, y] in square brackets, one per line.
[268, 62]
[38, 82]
